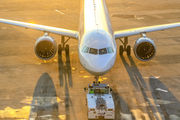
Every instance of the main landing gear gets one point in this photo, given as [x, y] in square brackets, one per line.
[124, 47]
[62, 46]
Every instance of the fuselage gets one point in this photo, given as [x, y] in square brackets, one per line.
[97, 46]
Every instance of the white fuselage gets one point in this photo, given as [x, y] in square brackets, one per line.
[97, 46]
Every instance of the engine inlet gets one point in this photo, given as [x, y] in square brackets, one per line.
[145, 50]
[45, 47]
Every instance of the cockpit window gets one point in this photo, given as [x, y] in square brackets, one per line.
[102, 51]
[85, 49]
[110, 50]
[93, 51]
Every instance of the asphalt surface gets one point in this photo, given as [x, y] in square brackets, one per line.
[31, 88]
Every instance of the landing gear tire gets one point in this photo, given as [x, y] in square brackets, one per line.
[67, 49]
[120, 50]
[128, 50]
[59, 49]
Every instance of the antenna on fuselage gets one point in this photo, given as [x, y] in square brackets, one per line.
[97, 28]
[95, 15]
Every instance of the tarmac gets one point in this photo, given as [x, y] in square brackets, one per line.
[34, 89]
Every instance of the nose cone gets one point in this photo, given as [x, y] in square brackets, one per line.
[99, 68]
[100, 64]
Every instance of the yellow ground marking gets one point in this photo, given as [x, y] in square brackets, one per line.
[62, 117]
[86, 76]
[73, 68]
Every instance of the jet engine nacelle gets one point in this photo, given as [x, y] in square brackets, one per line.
[144, 49]
[45, 47]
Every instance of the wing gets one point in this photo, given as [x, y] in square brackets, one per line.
[64, 32]
[135, 31]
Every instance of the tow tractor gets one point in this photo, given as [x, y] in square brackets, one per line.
[100, 102]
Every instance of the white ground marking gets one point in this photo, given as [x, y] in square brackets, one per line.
[58, 11]
[126, 116]
[4, 28]
[140, 18]
[159, 89]
[159, 101]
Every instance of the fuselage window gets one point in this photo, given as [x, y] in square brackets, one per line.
[85, 49]
[102, 51]
[110, 50]
[93, 51]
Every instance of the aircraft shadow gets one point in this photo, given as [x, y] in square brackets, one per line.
[44, 104]
[65, 71]
[65, 78]
[134, 73]
[169, 106]
[141, 86]
[120, 103]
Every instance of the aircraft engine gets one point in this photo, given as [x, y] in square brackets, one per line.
[45, 47]
[144, 49]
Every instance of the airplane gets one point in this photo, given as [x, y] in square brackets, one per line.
[96, 39]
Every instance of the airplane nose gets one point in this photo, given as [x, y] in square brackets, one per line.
[100, 64]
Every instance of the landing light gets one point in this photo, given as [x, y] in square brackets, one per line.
[107, 86]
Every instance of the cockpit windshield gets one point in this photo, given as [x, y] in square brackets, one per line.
[110, 50]
[93, 51]
[102, 51]
[85, 49]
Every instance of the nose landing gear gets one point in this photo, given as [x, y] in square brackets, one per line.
[62, 46]
[97, 78]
